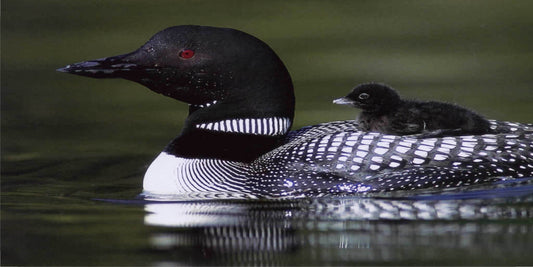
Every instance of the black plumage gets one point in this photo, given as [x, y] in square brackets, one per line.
[384, 111]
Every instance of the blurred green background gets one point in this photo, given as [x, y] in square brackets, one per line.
[66, 139]
[477, 54]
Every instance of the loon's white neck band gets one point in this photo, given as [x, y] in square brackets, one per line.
[257, 126]
[206, 104]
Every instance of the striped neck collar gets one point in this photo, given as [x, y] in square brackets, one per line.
[272, 126]
[208, 104]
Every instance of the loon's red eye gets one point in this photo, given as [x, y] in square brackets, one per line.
[187, 53]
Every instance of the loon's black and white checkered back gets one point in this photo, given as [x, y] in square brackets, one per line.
[336, 157]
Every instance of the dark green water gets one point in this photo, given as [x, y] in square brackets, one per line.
[71, 144]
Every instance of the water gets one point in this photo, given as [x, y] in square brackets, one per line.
[74, 150]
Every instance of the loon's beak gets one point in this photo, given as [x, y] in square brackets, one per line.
[343, 101]
[109, 67]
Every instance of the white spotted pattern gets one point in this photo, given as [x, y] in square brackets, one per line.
[334, 158]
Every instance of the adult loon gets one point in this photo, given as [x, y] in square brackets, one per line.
[236, 137]
[384, 111]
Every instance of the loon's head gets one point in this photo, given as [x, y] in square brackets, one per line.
[222, 73]
[371, 98]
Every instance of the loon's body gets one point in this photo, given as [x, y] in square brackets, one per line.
[241, 107]
[384, 111]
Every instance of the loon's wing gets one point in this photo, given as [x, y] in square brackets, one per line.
[340, 159]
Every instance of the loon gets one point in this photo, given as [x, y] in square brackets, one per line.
[384, 111]
[237, 138]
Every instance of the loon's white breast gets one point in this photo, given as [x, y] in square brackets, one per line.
[169, 174]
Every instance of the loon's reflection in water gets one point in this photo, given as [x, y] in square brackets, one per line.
[345, 230]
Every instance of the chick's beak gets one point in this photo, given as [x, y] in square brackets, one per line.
[343, 101]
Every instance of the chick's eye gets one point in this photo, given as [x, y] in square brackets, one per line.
[364, 96]
[186, 54]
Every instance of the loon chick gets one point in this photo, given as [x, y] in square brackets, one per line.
[236, 138]
[384, 111]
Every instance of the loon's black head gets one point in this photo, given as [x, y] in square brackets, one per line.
[240, 94]
[371, 97]
[204, 67]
